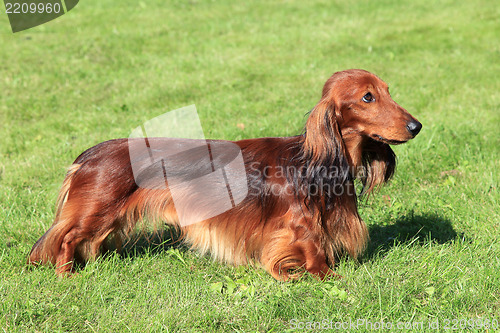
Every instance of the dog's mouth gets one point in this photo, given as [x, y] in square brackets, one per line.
[377, 137]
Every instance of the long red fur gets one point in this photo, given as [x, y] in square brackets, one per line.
[288, 231]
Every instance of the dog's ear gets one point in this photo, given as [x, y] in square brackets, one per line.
[379, 164]
[324, 155]
[322, 135]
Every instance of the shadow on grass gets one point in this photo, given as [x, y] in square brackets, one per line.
[149, 242]
[139, 244]
[409, 229]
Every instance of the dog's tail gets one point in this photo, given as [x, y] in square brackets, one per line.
[47, 247]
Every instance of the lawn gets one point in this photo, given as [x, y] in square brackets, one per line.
[254, 69]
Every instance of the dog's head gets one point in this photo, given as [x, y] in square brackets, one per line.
[364, 106]
[356, 118]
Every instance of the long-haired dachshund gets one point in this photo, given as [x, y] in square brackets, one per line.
[298, 212]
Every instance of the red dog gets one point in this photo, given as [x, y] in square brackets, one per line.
[291, 221]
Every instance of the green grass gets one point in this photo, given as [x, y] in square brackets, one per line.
[107, 66]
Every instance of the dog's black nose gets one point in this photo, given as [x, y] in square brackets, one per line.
[414, 127]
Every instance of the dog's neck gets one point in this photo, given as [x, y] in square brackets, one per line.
[354, 144]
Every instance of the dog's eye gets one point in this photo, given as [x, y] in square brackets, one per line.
[368, 98]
